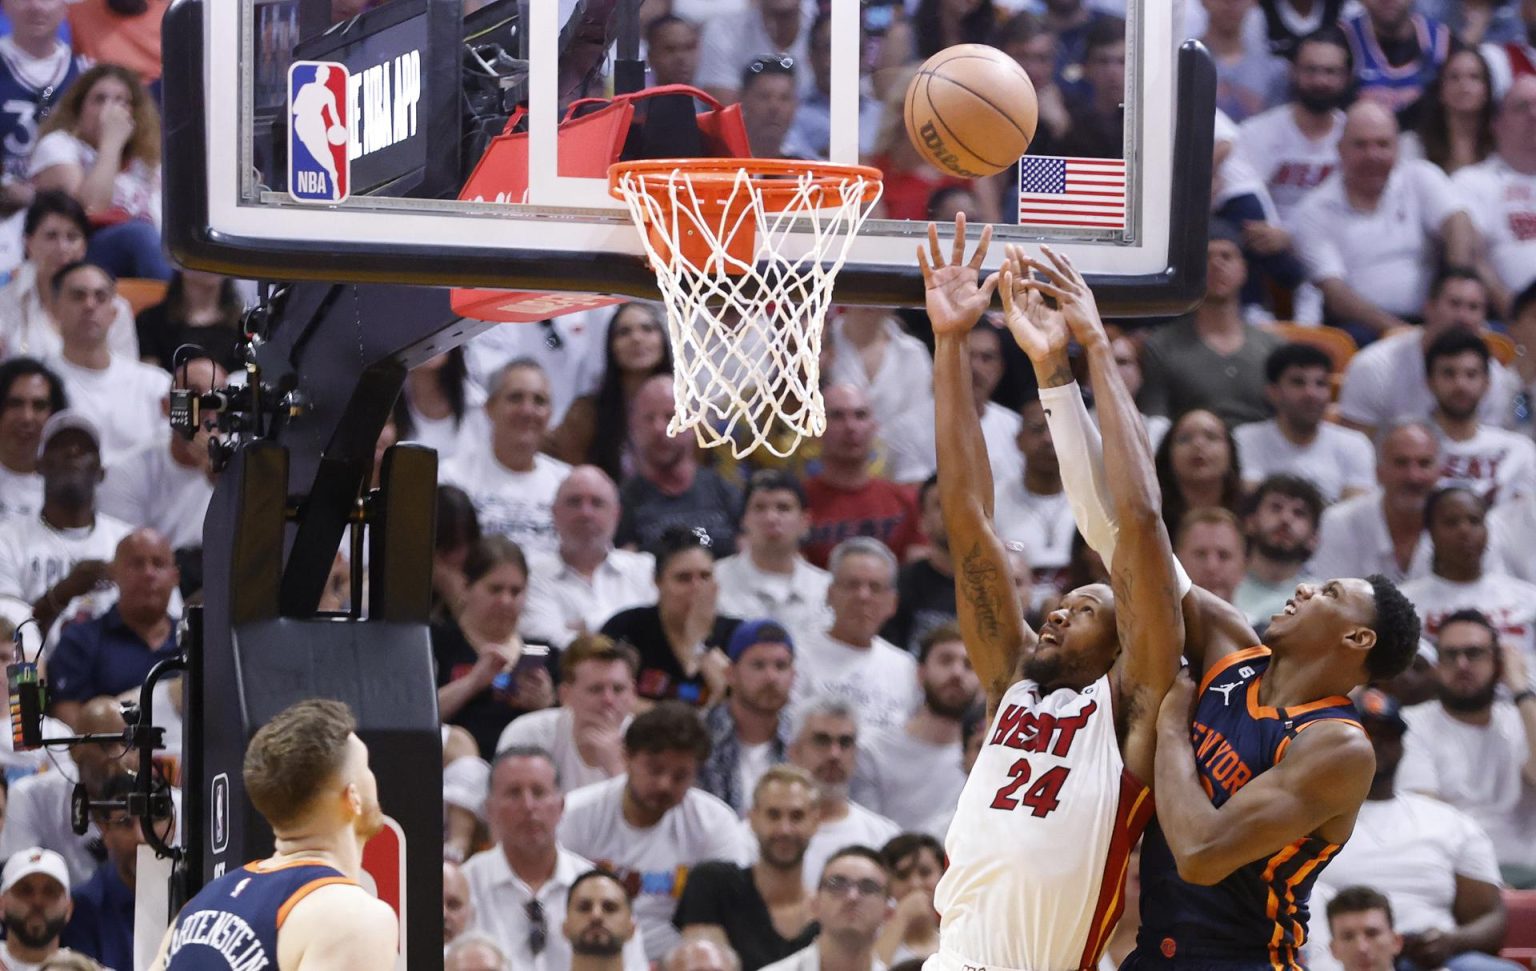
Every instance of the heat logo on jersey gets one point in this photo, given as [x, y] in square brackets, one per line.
[319, 167]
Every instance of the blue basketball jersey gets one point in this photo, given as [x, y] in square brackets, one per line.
[1259, 912]
[21, 107]
[234, 920]
[1400, 86]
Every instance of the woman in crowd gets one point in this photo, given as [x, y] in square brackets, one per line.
[481, 685]
[458, 531]
[595, 430]
[1197, 466]
[441, 399]
[101, 144]
[680, 639]
[203, 309]
[1455, 116]
[916, 862]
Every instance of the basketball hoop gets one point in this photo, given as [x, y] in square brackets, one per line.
[745, 252]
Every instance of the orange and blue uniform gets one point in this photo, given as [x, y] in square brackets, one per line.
[233, 921]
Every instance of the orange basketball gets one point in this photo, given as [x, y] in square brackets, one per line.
[971, 110]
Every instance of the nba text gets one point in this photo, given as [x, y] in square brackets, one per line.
[382, 102]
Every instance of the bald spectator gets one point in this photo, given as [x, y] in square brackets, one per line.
[474, 952]
[511, 483]
[1500, 193]
[1497, 464]
[121, 395]
[1211, 359]
[573, 589]
[1398, 51]
[1372, 232]
[1387, 381]
[167, 485]
[701, 956]
[458, 909]
[114, 653]
[672, 50]
[1209, 542]
[845, 499]
[669, 487]
[49, 559]
[29, 393]
[1383, 530]
[769, 577]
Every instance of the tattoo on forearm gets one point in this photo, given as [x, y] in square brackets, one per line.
[981, 576]
[1059, 375]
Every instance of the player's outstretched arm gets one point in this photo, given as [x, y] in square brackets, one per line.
[1319, 784]
[991, 618]
[339, 928]
[1148, 615]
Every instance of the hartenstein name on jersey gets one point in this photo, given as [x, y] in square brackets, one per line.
[1024, 730]
[226, 933]
[382, 102]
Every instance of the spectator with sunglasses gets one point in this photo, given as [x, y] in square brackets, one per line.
[769, 94]
[520, 886]
[848, 927]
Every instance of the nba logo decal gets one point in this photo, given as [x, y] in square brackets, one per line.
[319, 170]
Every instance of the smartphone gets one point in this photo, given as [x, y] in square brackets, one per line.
[534, 657]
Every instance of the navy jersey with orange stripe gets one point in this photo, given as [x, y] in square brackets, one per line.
[233, 921]
[1259, 913]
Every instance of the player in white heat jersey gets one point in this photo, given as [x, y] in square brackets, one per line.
[1058, 796]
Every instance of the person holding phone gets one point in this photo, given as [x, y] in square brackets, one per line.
[487, 674]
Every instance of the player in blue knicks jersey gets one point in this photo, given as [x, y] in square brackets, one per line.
[301, 909]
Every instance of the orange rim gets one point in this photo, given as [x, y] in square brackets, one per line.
[713, 179]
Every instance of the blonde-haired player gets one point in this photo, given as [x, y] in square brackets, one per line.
[1058, 796]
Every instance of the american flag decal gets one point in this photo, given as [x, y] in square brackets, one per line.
[1086, 193]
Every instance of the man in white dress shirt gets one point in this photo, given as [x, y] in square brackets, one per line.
[1383, 531]
[769, 577]
[520, 885]
[573, 589]
[852, 901]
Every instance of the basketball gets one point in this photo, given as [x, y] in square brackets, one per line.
[971, 110]
[336, 134]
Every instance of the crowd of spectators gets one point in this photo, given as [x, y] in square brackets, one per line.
[737, 685]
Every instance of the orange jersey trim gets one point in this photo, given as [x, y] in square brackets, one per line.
[1133, 812]
[305, 891]
[1246, 654]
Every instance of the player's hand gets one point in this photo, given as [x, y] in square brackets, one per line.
[116, 125]
[1074, 300]
[1178, 707]
[955, 298]
[1038, 328]
[1516, 674]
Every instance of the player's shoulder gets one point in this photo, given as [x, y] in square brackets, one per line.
[340, 908]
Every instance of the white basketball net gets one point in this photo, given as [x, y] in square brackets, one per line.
[746, 336]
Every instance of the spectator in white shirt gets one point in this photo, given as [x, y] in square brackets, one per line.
[731, 41]
[49, 559]
[769, 577]
[120, 394]
[599, 920]
[873, 353]
[849, 659]
[576, 587]
[1495, 463]
[1476, 750]
[1295, 146]
[511, 483]
[584, 736]
[912, 774]
[1032, 508]
[520, 885]
[568, 348]
[1432, 861]
[1369, 233]
[1500, 193]
[849, 927]
[1514, 523]
[1457, 522]
[650, 826]
[458, 909]
[1360, 925]
[29, 393]
[167, 485]
[1281, 529]
[1387, 381]
[1383, 531]
[748, 731]
[1339, 462]
[825, 743]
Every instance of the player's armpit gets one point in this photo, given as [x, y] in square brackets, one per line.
[1321, 782]
[1213, 629]
[339, 928]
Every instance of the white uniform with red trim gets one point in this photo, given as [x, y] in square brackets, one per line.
[1040, 840]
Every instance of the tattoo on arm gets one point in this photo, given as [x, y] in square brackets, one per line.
[1059, 375]
[980, 573]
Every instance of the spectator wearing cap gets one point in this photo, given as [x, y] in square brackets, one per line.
[1383, 531]
[669, 488]
[120, 394]
[29, 393]
[925, 588]
[102, 923]
[680, 637]
[769, 577]
[519, 886]
[912, 774]
[735, 905]
[1281, 528]
[1496, 463]
[114, 653]
[574, 588]
[1211, 359]
[748, 731]
[62, 552]
[1338, 461]
[1370, 232]
[34, 892]
[1433, 861]
[584, 736]
[1474, 749]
